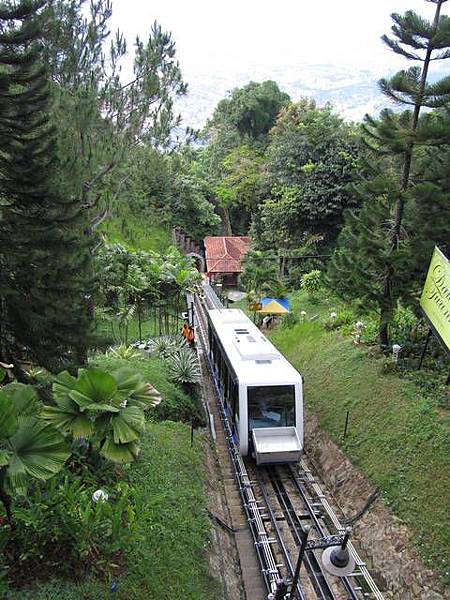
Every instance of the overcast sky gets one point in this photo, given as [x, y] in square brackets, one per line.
[238, 34]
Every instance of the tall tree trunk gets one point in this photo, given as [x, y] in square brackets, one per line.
[226, 221]
[388, 300]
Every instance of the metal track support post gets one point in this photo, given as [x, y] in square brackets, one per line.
[301, 554]
[281, 592]
[425, 347]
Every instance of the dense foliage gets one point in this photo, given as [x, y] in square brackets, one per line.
[94, 173]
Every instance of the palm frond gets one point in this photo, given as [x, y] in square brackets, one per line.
[8, 416]
[119, 453]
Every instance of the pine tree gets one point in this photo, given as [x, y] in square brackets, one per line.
[401, 139]
[421, 41]
[44, 257]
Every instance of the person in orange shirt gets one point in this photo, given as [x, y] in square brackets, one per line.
[190, 336]
[185, 330]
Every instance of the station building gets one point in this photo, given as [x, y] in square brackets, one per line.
[224, 256]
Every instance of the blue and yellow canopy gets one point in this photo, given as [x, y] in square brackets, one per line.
[274, 306]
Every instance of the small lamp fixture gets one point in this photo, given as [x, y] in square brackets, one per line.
[333, 316]
[395, 352]
[359, 327]
[337, 560]
[302, 315]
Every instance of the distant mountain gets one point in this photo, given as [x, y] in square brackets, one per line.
[352, 92]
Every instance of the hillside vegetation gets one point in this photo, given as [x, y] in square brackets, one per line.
[397, 435]
[136, 233]
[164, 555]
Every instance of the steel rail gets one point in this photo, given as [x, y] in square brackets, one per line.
[281, 542]
[315, 571]
[319, 527]
[363, 571]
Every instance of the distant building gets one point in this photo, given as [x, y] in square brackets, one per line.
[224, 257]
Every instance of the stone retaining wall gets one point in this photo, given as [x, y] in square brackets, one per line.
[382, 538]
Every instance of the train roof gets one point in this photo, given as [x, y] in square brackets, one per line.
[253, 357]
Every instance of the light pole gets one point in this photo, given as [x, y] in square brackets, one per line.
[395, 352]
[336, 558]
[301, 554]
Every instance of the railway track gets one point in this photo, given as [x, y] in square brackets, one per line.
[272, 507]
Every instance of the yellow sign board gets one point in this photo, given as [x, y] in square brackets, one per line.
[435, 299]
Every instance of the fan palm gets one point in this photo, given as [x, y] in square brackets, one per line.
[105, 408]
[29, 447]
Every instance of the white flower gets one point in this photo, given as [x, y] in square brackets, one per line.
[100, 495]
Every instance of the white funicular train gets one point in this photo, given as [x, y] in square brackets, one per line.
[261, 391]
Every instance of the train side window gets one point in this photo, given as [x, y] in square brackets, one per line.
[226, 391]
[234, 399]
[220, 365]
[214, 350]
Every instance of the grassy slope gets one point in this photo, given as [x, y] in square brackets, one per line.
[165, 560]
[395, 435]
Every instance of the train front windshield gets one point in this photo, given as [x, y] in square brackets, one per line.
[271, 406]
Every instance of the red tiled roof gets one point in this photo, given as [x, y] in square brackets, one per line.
[224, 254]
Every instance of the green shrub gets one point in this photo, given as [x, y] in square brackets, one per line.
[62, 531]
[175, 404]
[311, 283]
[289, 320]
[371, 329]
[345, 316]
